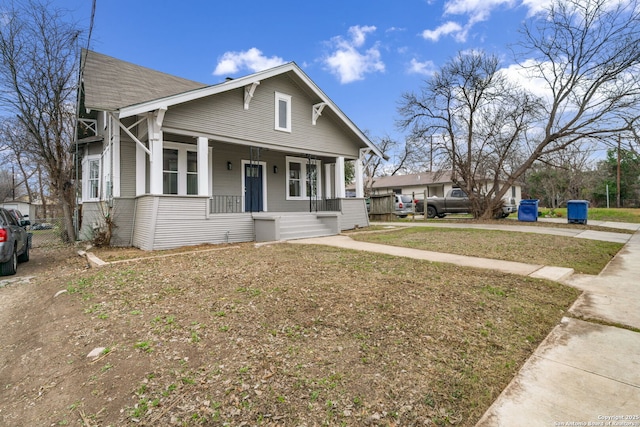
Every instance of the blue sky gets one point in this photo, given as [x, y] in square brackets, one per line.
[362, 54]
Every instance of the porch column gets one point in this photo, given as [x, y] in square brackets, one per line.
[141, 171]
[359, 176]
[115, 177]
[156, 146]
[341, 191]
[328, 188]
[155, 175]
[203, 166]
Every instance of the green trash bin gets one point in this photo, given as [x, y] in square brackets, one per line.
[577, 211]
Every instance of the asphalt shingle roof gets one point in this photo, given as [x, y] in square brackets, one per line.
[111, 84]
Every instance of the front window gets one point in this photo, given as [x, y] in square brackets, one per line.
[94, 179]
[295, 177]
[91, 177]
[303, 178]
[169, 171]
[283, 112]
[192, 172]
[312, 180]
[180, 169]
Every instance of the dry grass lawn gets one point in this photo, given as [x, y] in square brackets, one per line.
[286, 335]
[583, 255]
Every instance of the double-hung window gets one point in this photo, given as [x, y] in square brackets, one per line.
[283, 112]
[179, 169]
[169, 171]
[91, 182]
[303, 178]
[192, 172]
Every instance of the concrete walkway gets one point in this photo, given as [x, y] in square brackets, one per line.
[587, 371]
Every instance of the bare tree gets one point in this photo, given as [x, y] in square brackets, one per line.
[375, 166]
[7, 189]
[562, 176]
[38, 80]
[478, 118]
[584, 52]
[14, 140]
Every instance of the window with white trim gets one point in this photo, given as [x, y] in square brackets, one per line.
[192, 172]
[179, 169]
[169, 171]
[94, 179]
[283, 112]
[303, 178]
[91, 178]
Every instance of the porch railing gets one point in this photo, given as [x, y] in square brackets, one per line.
[233, 204]
[326, 205]
[225, 204]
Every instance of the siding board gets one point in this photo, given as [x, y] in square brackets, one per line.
[142, 236]
[123, 214]
[354, 214]
[183, 221]
[127, 167]
[224, 115]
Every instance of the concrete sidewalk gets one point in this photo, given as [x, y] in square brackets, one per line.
[585, 371]
[520, 268]
[567, 231]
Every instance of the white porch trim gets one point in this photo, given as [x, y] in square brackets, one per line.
[360, 173]
[203, 166]
[115, 177]
[156, 143]
[328, 191]
[340, 190]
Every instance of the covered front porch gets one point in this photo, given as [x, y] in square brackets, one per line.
[167, 221]
[222, 192]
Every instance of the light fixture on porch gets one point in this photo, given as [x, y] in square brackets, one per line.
[229, 166]
[275, 169]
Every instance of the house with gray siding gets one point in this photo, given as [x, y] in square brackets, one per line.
[173, 162]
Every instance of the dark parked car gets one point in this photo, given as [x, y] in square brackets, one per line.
[15, 242]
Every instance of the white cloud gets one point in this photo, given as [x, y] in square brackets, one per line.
[536, 85]
[443, 30]
[252, 59]
[536, 6]
[348, 61]
[359, 34]
[475, 11]
[426, 68]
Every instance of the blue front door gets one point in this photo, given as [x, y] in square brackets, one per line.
[253, 188]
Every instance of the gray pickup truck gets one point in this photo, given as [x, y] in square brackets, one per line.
[456, 201]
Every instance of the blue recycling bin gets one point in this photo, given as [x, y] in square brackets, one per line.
[528, 210]
[577, 211]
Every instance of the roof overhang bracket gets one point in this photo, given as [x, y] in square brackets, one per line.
[317, 111]
[155, 123]
[131, 135]
[248, 93]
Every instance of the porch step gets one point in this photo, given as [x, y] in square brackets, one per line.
[301, 227]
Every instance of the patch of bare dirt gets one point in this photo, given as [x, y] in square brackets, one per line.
[285, 335]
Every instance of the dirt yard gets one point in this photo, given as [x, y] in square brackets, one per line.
[285, 335]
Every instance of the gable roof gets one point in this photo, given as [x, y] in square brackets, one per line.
[111, 84]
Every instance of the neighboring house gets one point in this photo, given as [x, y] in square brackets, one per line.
[435, 184]
[173, 162]
[25, 208]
